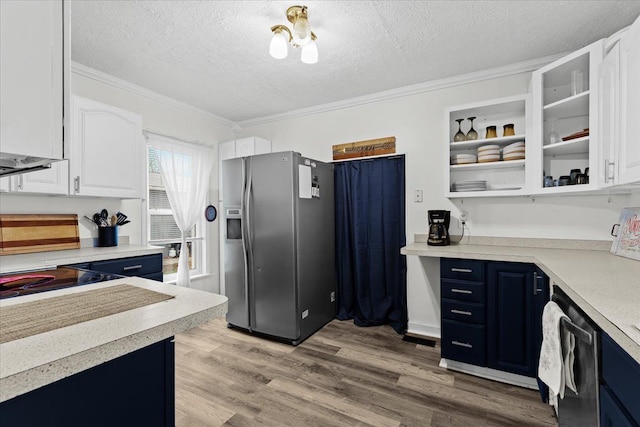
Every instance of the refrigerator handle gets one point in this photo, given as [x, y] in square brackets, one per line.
[245, 239]
[249, 237]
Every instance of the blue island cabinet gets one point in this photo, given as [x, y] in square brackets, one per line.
[137, 389]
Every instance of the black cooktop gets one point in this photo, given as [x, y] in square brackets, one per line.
[31, 282]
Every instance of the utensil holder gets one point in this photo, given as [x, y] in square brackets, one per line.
[107, 236]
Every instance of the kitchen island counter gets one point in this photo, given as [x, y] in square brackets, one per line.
[48, 259]
[605, 286]
[35, 361]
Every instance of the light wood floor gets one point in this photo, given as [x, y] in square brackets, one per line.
[341, 376]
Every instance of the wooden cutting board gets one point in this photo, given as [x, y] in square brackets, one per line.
[22, 233]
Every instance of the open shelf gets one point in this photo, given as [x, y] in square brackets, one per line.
[486, 193]
[573, 146]
[503, 140]
[573, 106]
[500, 164]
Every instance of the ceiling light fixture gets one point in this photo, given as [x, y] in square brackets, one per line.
[301, 36]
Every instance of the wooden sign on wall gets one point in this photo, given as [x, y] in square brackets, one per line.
[371, 147]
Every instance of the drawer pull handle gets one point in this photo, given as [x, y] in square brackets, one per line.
[461, 291]
[132, 267]
[462, 344]
[466, 313]
[462, 270]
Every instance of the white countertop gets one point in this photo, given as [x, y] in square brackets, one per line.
[34, 361]
[605, 286]
[40, 260]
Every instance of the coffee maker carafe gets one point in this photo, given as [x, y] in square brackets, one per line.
[439, 228]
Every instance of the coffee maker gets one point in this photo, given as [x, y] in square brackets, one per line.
[439, 228]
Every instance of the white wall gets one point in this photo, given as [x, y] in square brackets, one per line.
[164, 117]
[417, 122]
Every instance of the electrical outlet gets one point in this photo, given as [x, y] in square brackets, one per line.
[464, 216]
[417, 197]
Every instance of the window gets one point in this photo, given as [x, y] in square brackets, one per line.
[163, 230]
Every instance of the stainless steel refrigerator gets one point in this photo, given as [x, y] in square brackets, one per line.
[279, 244]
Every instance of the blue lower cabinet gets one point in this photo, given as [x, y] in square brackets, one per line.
[611, 414]
[137, 389]
[621, 379]
[512, 341]
[463, 342]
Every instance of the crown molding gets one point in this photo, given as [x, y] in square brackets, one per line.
[478, 76]
[119, 83]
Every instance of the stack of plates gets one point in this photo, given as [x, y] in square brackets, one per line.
[463, 159]
[469, 186]
[488, 153]
[514, 151]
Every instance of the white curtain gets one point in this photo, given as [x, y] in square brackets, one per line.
[185, 170]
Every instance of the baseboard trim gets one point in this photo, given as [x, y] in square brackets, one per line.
[421, 330]
[490, 374]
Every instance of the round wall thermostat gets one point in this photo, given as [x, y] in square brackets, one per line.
[210, 213]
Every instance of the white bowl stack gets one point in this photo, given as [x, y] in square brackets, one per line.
[514, 151]
[463, 159]
[488, 153]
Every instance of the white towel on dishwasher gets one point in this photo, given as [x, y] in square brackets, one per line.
[568, 347]
[551, 363]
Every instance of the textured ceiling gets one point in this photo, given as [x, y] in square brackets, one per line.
[214, 54]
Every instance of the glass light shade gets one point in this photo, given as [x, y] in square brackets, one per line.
[309, 54]
[278, 47]
[301, 31]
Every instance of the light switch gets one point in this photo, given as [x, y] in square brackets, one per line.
[417, 197]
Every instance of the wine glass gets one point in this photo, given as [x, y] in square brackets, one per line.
[472, 134]
[459, 136]
[554, 138]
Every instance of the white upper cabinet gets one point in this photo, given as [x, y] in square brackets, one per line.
[494, 161]
[240, 148]
[629, 140]
[54, 180]
[565, 119]
[107, 151]
[31, 78]
[609, 114]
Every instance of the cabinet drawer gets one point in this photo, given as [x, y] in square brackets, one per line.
[134, 266]
[158, 277]
[471, 312]
[463, 342]
[462, 290]
[622, 375]
[611, 414]
[462, 269]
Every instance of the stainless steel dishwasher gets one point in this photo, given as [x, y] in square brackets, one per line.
[581, 409]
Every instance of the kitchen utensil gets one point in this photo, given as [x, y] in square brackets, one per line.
[491, 132]
[508, 130]
[114, 220]
[121, 217]
[97, 219]
[92, 221]
[125, 222]
[104, 213]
